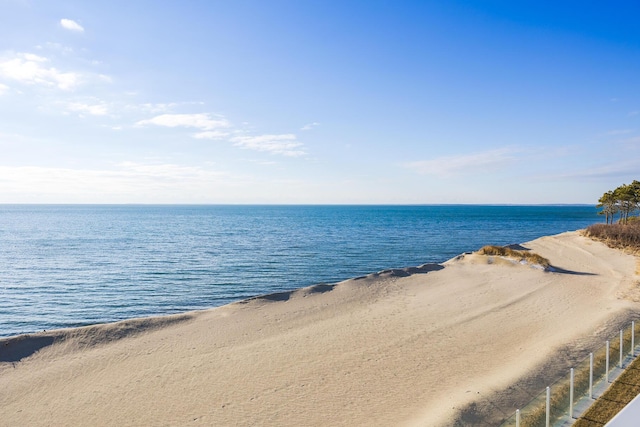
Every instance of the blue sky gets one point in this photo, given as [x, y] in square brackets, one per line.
[308, 101]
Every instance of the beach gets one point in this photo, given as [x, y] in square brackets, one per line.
[464, 342]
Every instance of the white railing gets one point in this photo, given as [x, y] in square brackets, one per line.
[564, 401]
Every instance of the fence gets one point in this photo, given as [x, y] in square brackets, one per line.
[567, 398]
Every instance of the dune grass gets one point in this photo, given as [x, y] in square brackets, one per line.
[529, 257]
[621, 236]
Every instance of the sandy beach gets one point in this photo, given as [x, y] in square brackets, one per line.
[465, 342]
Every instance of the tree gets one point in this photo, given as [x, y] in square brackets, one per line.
[624, 195]
[608, 204]
[635, 188]
[628, 199]
[624, 200]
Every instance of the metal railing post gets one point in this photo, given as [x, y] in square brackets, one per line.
[517, 417]
[571, 396]
[548, 407]
[607, 364]
[621, 345]
[590, 375]
[633, 338]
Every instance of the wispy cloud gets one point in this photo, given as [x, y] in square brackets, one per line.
[56, 47]
[166, 170]
[98, 109]
[3, 88]
[465, 164]
[215, 127]
[127, 181]
[621, 170]
[286, 144]
[28, 68]
[157, 107]
[203, 121]
[71, 25]
[105, 78]
[211, 134]
[310, 126]
[633, 141]
[262, 162]
[617, 132]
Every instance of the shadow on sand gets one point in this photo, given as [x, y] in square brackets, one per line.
[554, 269]
[323, 287]
[16, 349]
[404, 272]
[551, 268]
[284, 296]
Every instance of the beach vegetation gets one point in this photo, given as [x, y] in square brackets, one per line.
[625, 232]
[624, 236]
[609, 206]
[633, 220]
[623, 201]
[520, 255]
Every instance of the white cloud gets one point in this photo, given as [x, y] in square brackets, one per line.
[286, 144]
[310, 126]
[28, 68]
[99, 109]
[3, 88]
[211, 134]
[214, 128]
[201, 121]
[33, 57]
[158, 107]
[71, 25]
[465, 164]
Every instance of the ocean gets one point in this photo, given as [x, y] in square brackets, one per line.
[72, 265]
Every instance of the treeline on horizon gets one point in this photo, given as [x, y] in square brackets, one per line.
[624, 233]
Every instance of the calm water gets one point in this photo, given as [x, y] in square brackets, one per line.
[63, 266]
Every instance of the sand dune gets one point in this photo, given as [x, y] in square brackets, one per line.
[462, 342]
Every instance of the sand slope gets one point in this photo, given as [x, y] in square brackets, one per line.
[425, 346]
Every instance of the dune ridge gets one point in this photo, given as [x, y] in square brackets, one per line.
[462, 342]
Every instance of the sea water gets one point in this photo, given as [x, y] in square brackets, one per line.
[73, 265]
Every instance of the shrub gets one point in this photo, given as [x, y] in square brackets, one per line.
[617, 235]
[530, 257]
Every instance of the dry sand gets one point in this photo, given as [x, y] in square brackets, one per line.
[462, 343]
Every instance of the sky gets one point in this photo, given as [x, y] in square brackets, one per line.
[318, 101]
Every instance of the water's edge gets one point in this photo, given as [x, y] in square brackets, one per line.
[70, 266]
